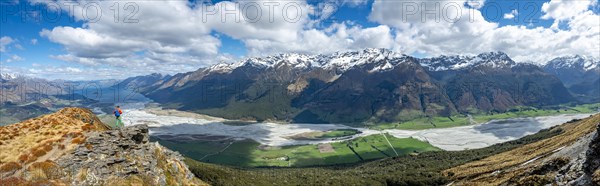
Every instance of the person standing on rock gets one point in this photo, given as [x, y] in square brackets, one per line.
[118, 113]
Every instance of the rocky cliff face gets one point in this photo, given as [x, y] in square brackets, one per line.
[86, 154]
[591, 166]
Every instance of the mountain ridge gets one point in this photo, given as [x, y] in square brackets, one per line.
[376, 82]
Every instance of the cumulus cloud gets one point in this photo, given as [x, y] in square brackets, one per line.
[174, 32]
[4, 42]
[337, 37]
[511, 15]
[272, 20]
[155, 27]
[477, 4]
[34, 41]
[565, 9]
[14, 58]
[178, 36]
[437, 34]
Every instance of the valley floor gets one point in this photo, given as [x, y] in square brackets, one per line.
[464, 120]
[422, 169]
[284, 145]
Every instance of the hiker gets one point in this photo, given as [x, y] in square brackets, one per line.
[118, 113]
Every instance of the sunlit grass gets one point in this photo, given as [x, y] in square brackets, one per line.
[248, 153]
[462, 120]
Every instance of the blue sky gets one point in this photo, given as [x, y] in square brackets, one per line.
[179, 36]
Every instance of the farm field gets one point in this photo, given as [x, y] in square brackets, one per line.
[247, 153]
[463, 120]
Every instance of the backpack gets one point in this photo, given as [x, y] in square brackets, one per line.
[118, 112]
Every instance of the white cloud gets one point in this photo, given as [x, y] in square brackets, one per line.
[34, 41]
[477, 4]
[338, 37]
[172, 32]
[172, 36]
[512, 14]
[565, 10]
[14, 58]
[270, 20]
[161, 26]
[4, 42]
[19, 46]
[472, 34]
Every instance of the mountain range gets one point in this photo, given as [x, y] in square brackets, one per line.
[371, 85]
[23, 97]
[581, 75]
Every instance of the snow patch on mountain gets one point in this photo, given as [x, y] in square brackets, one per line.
[574, 62]
[384, 59]
[459, 62]
[341, 61]
[8, 76]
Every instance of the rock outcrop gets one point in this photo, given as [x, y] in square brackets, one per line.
[82, 151]
[591, 167]
[125, 156]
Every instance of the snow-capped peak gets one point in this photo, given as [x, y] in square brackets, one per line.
[8, 76]
[574, 62]
[348, 60]
[341, 61]
[457, 62]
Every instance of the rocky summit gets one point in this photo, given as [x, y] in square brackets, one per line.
[89, 156]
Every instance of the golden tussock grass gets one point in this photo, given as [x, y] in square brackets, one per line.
[88, 127]
[31, 159]
[23, 158]
[45, 170]
[12, 181]
[78, 140]
[9, 167]
[48, 147]
[480, 172]
[38, 152]
[73, 134]
[44, 131]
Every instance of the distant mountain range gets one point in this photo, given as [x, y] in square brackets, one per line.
[581, 75]
[372, 85]
[23, 97]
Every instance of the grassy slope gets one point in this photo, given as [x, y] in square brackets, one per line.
[479, 172]
[19, 142]
[248, 154]
[422, 169]
[459, 120]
